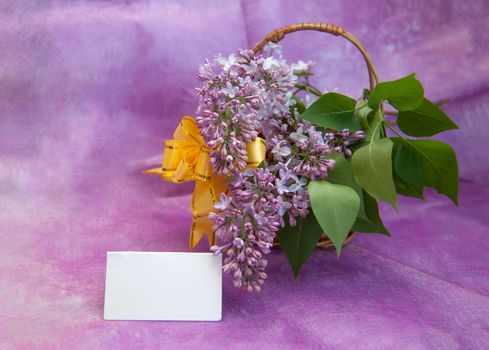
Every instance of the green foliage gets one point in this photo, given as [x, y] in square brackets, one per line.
[372, 169]
[299, 241]
[408, 189]
[335, 207]
[362, 111]
[380, 168]
[403, 94]
[374, 223]
[428, 163]
[374, 126]
[303, 73]
[301, 107]
[342, 174]
[333, 111]
[426, 120]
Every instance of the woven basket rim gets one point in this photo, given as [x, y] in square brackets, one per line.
[333, 29]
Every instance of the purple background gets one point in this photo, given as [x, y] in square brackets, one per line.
[90, 89]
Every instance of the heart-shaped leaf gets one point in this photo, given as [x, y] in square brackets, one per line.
[333, 111]
[335, 207]
[428, 163]
[362, 111]
[408, 189]
[299, 241]
[374, 223]
[343, 175]
[374, 129]
[403, 94]
[372, 169]
[426, 120]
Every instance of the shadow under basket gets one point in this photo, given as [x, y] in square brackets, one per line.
[324, 242]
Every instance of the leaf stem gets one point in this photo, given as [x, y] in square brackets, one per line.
[315, 91]
[309, 88]
[392, 129]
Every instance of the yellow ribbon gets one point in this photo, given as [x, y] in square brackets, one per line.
[186, 158]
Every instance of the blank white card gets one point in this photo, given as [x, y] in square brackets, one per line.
[163, 286]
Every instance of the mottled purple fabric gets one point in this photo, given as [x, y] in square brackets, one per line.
[90, 89]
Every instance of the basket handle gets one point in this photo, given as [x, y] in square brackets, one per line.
[278, 34]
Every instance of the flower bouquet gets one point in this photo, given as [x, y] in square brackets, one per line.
[276, 160]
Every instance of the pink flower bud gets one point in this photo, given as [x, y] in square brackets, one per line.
[237, 283]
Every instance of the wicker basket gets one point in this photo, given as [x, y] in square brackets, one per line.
[278, 34]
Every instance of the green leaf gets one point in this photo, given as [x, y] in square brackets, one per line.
[262, 165]
[299, 241]
[408, 189]
[335, 207]
[342, 174]
[404, 94]
[372, 169]
[375, 224]
[428, 163]
[404, 187]
[362, 111]
[301, 107]
[333, 111]
[426, 120]
[374, 130]
[302, 73]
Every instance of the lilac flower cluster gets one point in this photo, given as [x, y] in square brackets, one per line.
[248, 221]
[249, 218]
[305, 149]
[237, 95]
[292, 194]
[341, 140]
[243, 96]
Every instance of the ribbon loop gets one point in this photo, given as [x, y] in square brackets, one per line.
[186, 158]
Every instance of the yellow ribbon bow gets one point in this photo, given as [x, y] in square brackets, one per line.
[186, 158]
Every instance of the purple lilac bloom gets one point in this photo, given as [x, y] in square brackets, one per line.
[341, 140]
[292, 190]
[242, 96]
[304, 148]
[246, 226]
[238, 94]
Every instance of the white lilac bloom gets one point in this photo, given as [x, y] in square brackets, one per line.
[284, 178]
[228, 64]
[223, 203]
[283, 205]
[308, 99]
[292, 190]
[205, 71]
[281, 150]
[230, 90]
[298, 184]
[301, 66]
[272, 48]
[299, 136]
[282, 186]
[270, 64]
